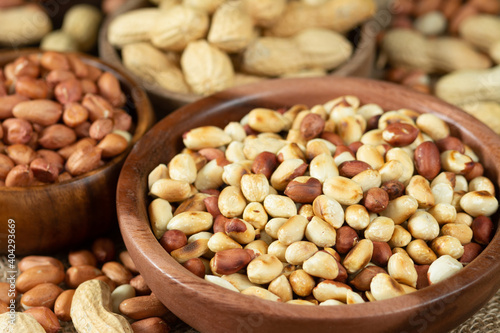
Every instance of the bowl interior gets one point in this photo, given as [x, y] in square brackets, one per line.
[461, 295]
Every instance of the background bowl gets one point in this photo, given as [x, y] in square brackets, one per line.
[52, 217]
[210, 308]
[360, 64]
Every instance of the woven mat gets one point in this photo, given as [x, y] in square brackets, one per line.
[486, 320]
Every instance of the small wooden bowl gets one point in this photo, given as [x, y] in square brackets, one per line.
[210, 308]
[360, 64]
[52, 217]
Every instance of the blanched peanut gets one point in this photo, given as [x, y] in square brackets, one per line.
[400, 237]
[419, 188]
[442, 268]
[191, 250]
[261, 293]
[401, 156]
[282, 288]
[231, 202]
[240, 281]
[342, 189]
[368, 179]
[329, 210]
[420, 253]
[279, 206]
[423, 225]
[442, 193]
[258, 246]
[369, 154]
[256, 215]
[383, 286]
[391, 170]
[255, 187]
[447, 245]
[464, 218]
[453, 161]
[400, 209]
[236, 131]
[160, 214]
[286, 171]
[301, 282]
[234, 152]
[482, 184]
[191, 222]
[290, 151]
[171, 190]
[328, 289]
[209, 176]
[357, 217]
[220, 282]
[317, 147]
[297, 252]
[160, 172]
[232, 174]
[433, 126]
[292, 230]
[278, 249]
[320, 232]
[195, 202]
[478, 203]
[400, 267]
[273, 226]
[264, 269]
[321, 265]
[462, 232]
[323, 167]
[380, 229]
[220, 241]
[443, 213]
[359, 256]
[182, 167]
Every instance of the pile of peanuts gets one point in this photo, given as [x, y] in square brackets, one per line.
[432, 18]
[339, 203]
[59, 118]
[45, 288]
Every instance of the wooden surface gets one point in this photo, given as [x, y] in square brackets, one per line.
[51, 217]
[360, 64]
[210, 308]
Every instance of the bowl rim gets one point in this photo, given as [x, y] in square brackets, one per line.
[144, 247]
[368, 31]
[138, 96]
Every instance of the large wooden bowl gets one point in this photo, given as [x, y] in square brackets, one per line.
[52, 217]
[360, 64]
[210, 308]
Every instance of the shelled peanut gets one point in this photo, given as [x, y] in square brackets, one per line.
[201, 47]
[22, 23]
[59, 117]
[25, 23]
[98, 287]
[337, 203]
[79, 30]
[447, 48]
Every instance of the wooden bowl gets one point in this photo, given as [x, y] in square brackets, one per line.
[210, 308]
[165, 101]
[52, 217]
